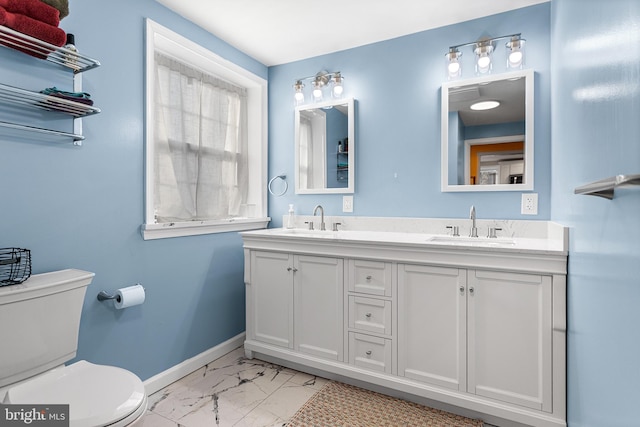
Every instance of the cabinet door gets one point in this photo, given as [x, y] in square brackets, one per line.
[271, 298]
[319, 310]
[432, 325]
[510, 337]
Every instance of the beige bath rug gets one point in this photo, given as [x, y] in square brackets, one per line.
[342, 405]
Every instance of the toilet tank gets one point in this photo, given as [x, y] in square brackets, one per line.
[39, 323]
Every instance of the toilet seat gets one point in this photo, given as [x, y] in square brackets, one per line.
[97, 395]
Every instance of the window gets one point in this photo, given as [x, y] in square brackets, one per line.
[205, 141]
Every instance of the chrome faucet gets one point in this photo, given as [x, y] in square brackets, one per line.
[472, 217]
[322, 226]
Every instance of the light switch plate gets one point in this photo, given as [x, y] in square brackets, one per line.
[347, 203]
[529, 204]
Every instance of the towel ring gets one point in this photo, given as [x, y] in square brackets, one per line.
[283, 177]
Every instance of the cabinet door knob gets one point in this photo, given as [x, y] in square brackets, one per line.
[368, 315]
[461, 289]
[289, 268]
[368, 353]
[295, 269]
[471, 291]
[368, 278]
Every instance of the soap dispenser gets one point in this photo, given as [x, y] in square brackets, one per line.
[291, 221]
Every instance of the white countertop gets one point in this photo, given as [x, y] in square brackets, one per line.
[500, 244]
[541, 237]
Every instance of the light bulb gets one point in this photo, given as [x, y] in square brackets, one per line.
[515, 59]
[317, 94]
[484, 62]
[337, 90]
[454, 67]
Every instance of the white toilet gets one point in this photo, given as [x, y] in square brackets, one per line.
[40, 319]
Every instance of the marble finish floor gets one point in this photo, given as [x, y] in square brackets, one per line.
[232, 391]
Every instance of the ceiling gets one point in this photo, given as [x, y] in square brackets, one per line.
[281, 31]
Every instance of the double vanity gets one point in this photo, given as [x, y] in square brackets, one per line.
[474, 325]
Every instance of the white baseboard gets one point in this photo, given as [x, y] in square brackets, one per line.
[173, 374]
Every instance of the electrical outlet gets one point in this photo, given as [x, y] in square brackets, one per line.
[529, 204]
[347, 203]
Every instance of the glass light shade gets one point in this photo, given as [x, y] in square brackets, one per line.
[317, 92]
[454, 68]
[515, 50]
[299, 95]
[338, 89]
[483, 60]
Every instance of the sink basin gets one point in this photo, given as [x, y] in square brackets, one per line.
[472, 241]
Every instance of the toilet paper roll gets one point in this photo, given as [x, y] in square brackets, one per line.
[128, 297]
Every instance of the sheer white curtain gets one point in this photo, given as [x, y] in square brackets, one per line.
[200, 145]
[306, 153]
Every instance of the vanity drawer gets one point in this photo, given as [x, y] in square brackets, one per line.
[370, 277]
[370, 314]
[369, 352]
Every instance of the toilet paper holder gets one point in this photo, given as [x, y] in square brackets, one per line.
[105, 296]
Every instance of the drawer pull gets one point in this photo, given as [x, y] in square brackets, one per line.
[368, 353]
[368, 278]
[368, 315]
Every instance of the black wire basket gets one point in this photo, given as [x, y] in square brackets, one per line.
[15, 266]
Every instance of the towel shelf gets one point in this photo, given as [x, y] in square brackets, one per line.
[77, 139]
[606, 187]
[27, 98]
[57, 55]
[22, 98]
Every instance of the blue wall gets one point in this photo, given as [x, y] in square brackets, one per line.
[596, 135]
[397, 87]
[83, 207]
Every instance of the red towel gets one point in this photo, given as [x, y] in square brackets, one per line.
[33, 28]
[34, 9]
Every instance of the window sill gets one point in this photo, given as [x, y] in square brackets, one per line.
[195, 228]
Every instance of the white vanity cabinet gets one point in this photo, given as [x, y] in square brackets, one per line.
[284, 290]
[484, 332]
[481, 328]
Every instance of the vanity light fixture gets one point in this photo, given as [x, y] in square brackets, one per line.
[319, 82]
[484, 50]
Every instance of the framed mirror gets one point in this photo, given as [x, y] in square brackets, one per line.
[325, 147]
[487, 133]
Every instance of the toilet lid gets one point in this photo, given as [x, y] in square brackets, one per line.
[97, 395]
